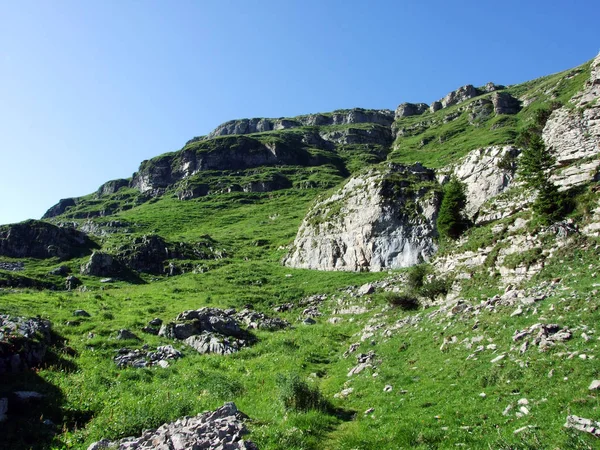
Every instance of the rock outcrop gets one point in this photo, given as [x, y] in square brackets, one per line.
[410, 109]
[356, 115]
[573, 134]
[486, 172]
[504, 103]
[214, 330]
[103, 265]
[110, 187]
[60, 208]
[380, 220]
[37, 239]
[460, 95]
[23, 342]
[225, 153]
[220, 429]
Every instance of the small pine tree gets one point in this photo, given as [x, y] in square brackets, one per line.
[450, 221]
[534, 166]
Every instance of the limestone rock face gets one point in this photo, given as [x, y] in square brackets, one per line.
[574, 134]
[110, 187]
[36, 239]
[356, 115]
[459, 95]
[383, 219]
[504, 103]
[375, 135]
[59, 208]
[411, 109]
[487, 172]
[228, 153]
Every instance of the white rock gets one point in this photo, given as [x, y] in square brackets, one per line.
[595, 385]
[498, 358]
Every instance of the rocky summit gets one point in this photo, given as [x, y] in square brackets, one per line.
[424, 277]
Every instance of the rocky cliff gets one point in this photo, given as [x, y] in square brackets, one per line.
[382, 219]
[342, 117]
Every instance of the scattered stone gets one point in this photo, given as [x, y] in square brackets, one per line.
[81, 313]
[507, 410]
[143, 358]
[351, 349]
[364, 361]
[126, 334]
[388, 388]
[61, 271]
[498, 358]
[309, 321]
[259, 321]
[156, 322]
[595, 385]
[369, 411]
[220, 429]
[586, 425]
[524, 410]
[483, 395]
[365, 289]
[517, 312]
[107, 280]
[208, 342]
[344, 393]
[523, 401]
[72, 282]
[526, 427]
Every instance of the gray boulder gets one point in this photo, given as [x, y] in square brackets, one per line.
[102, 265]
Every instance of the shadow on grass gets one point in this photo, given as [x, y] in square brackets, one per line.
[36, 414]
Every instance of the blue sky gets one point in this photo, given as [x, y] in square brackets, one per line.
[89, 89]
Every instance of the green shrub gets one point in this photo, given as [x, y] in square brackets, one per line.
[450, 221]
[416, 276]
[404, 300]
[297, 395]
[434, 288]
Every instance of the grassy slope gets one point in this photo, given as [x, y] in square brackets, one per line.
[89, 398]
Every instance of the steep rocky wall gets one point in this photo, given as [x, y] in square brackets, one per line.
[486, 172]
[572, 133]
[352, 116]
[234, 153]
[380, 220]
[36, 239]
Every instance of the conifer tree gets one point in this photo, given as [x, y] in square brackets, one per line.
[451, 222]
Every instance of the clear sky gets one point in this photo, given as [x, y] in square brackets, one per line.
[89, 89]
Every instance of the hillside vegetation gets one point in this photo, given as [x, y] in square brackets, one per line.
[490, 343]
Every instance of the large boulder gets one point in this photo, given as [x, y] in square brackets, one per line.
[102, 265]
[382, 219]
[37, 239]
